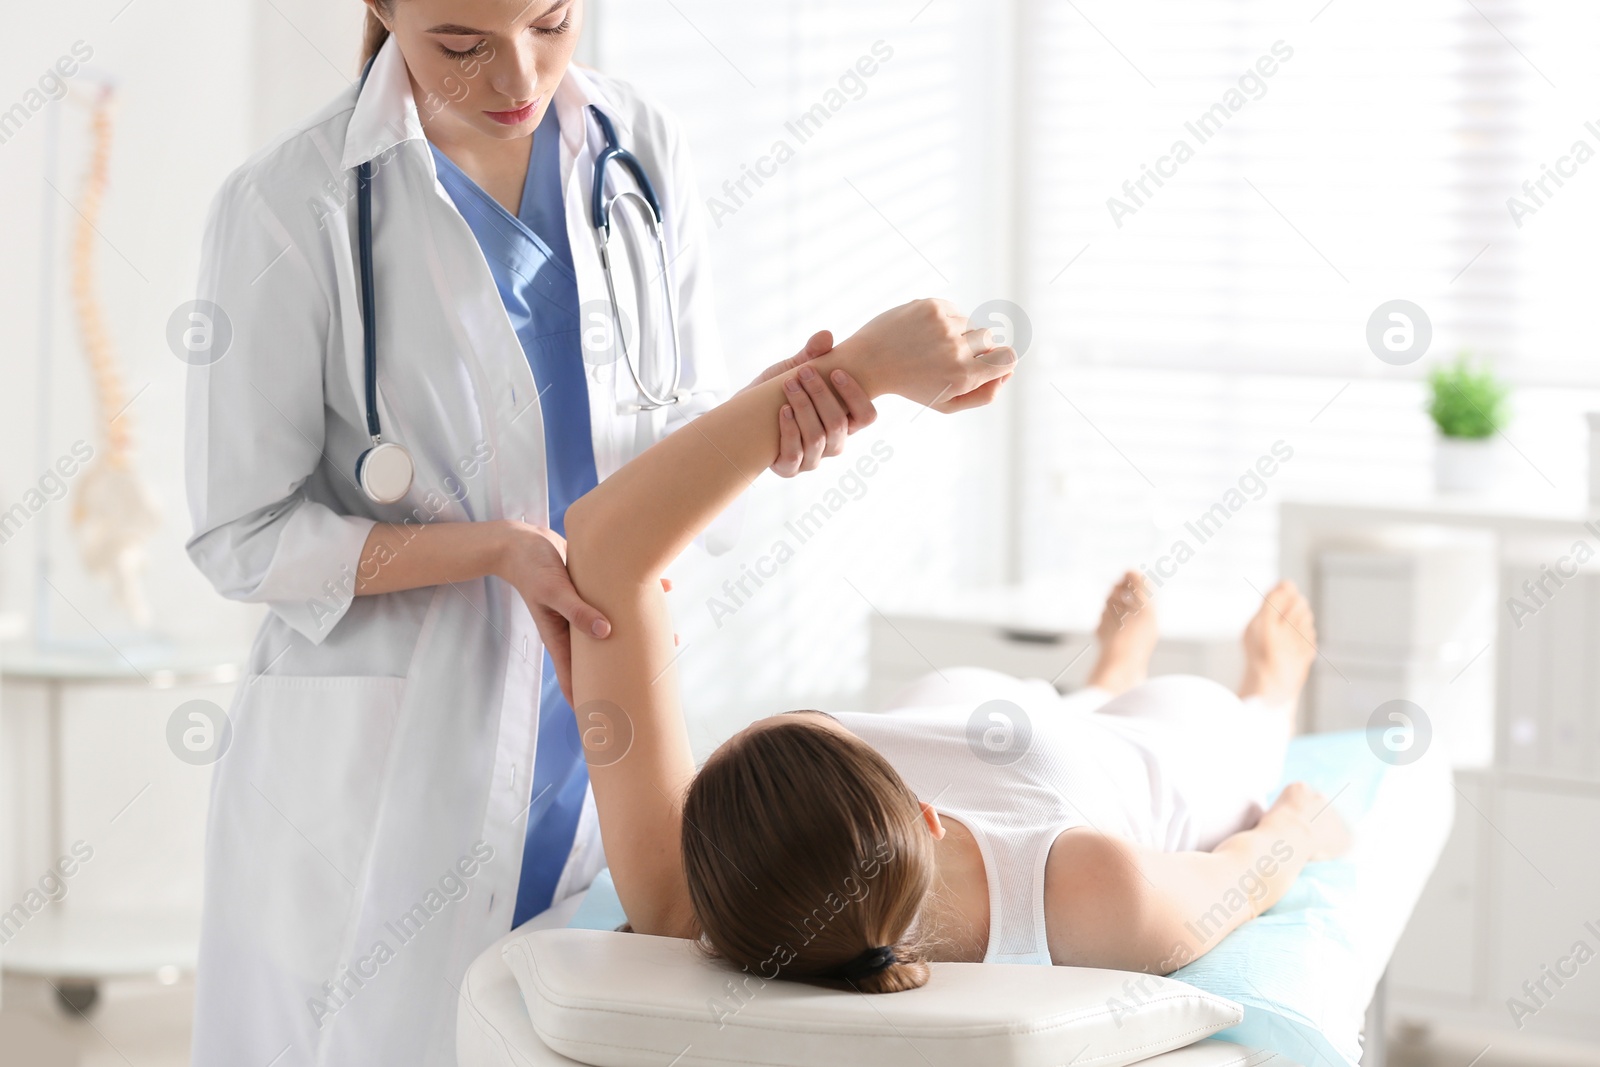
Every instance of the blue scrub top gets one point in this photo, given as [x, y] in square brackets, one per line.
[532, 266]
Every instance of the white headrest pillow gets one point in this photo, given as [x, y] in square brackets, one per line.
[632, 1000]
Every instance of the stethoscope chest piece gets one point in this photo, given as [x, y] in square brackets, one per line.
[385, 472]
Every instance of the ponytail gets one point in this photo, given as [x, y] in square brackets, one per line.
[907, 969]
[372, 37]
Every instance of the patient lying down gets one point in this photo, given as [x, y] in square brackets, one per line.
[985, 818]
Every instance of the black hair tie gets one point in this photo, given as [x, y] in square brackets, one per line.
[871, 961]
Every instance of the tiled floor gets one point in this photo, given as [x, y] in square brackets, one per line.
[142, 1024]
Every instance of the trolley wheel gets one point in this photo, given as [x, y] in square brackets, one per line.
[77, 999]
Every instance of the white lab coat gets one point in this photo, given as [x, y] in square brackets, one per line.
[366, 824]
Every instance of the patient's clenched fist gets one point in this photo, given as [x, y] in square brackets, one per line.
[1330, 836]
[923, 350]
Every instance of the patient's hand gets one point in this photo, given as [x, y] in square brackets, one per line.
[1330, 837]
[924, 351]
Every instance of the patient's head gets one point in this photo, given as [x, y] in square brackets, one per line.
[803, 849]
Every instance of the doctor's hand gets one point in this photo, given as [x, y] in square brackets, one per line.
[823, 416]
[533, 560]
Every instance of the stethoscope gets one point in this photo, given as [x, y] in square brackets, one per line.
[385, 470]
[601, 211]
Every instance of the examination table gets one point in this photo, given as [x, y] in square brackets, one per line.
[1290, 986]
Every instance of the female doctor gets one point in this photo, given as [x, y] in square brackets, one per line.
[402, 781]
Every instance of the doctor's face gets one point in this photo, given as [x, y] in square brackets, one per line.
[484, 66]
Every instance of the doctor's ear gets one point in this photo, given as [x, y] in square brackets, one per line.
[930, 815]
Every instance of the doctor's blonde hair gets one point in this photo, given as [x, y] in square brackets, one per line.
[803, 849]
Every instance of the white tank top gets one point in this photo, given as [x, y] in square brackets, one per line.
[1017, 781]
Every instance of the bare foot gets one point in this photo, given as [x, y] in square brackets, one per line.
[1127, 635]
[1279, 644]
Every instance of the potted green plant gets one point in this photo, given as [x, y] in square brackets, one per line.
[1468, 404]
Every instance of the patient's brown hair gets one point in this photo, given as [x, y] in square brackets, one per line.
[803, 849]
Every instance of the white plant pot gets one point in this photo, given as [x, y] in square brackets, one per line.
[1464, 464]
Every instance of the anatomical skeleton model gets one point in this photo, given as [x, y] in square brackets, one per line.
[112, 509]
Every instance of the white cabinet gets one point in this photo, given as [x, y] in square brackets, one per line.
[1549, 686]
[1417, 596]
[1438, 956]
[998, 629]
[905, 647]
[1515, 901]
[1403, 618]
[1507, 933]
[1544, 942]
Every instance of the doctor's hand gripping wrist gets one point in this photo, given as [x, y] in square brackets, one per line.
[823, 416]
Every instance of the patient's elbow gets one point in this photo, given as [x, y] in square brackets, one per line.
[582, 524]
[602, 548]
[583, 531]
[593, 542]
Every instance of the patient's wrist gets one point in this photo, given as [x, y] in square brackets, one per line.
[852, 356]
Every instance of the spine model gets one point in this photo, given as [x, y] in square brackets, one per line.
[113, 511]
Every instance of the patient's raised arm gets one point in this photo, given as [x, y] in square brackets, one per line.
[641, 518]
[623, 534]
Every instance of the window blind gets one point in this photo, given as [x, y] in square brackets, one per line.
[861, 131]
[1193, 322]
[1238, 185]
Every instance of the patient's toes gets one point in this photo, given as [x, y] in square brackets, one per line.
[1284, 596]
[1299, 616]
[1128, 617]
[1127, 635]
[1279, 645]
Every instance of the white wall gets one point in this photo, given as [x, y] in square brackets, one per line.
[304, 52]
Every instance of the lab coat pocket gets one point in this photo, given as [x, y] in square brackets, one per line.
[298, 799]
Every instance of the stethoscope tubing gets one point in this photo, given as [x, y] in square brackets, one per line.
[600, 212]
[369, 316]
